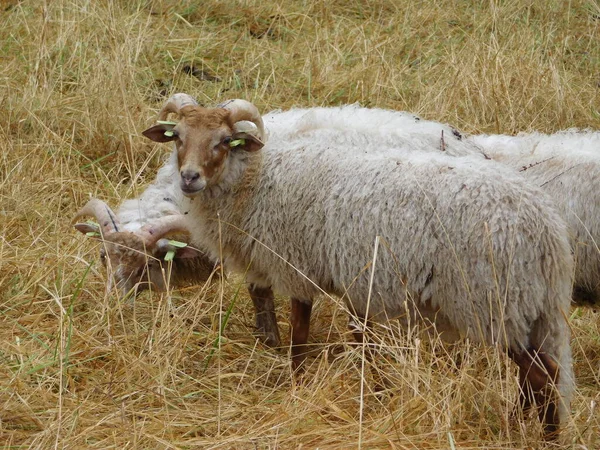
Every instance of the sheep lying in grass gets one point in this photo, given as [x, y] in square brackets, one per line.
[566, 165]
[466, 244]
[134, 259]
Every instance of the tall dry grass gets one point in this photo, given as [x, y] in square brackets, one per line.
[80, 80]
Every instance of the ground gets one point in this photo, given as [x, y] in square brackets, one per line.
[80, 368]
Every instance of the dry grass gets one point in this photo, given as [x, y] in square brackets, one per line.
[81, 79]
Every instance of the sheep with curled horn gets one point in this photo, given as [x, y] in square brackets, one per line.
[469, 246]
[134, 260]
[565, 165]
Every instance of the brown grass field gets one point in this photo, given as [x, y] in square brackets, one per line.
[80, 80]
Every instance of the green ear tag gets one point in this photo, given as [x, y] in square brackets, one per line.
[170, 255]
[93, 233]
[177, 244]
[237, 142]
[168, 133]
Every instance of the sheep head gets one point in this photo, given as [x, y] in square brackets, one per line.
[205, 138]
[134, 260]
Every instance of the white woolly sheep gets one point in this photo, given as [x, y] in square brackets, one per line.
[134, 259]
[467, 245]
[565, 165]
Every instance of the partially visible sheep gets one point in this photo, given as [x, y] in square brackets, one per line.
[390, 126]
[134, 259]
[566, 165]
[466, 244]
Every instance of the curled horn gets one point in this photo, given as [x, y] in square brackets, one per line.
[156, 230]
[244, 112]
[175, 104]
[109, 223]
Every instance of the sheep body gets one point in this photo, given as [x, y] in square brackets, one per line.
[566, 165]
[465, 242]
[390, 126]
[161, 198]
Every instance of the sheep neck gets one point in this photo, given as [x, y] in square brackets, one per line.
[225, 205]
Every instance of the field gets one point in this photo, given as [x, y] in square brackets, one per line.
[80, 80]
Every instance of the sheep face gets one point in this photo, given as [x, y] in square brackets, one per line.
[205, 138]
[134, 259]
[135, 265]
[129, 264]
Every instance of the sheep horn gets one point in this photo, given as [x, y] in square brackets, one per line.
[109, 223]
[244, 111]
[156, 230]
[175, 104]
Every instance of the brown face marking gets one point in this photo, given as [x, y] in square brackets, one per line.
[126, 257]
[212, 158]
[201, 147]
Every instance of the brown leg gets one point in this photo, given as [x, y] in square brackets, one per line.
[538, 374]
[300, 319]
[266, 321]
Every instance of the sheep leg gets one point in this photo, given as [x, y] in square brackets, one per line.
[538, 373]
[300, 321]
[266, 321]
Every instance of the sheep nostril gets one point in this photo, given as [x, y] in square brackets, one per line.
[189, 176]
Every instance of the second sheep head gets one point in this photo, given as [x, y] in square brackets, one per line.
[135, 261]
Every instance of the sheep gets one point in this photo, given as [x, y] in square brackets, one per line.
[133, 258]
[467, 245]
[565, 165]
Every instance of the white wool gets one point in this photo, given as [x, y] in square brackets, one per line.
[391, 126]
[161, 198]
[566, 165]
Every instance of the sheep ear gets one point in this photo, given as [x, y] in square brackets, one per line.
[88, 229]
[160, 133]
[250, 143]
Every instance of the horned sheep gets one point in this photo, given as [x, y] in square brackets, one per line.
[134, 258]
[465, 244]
